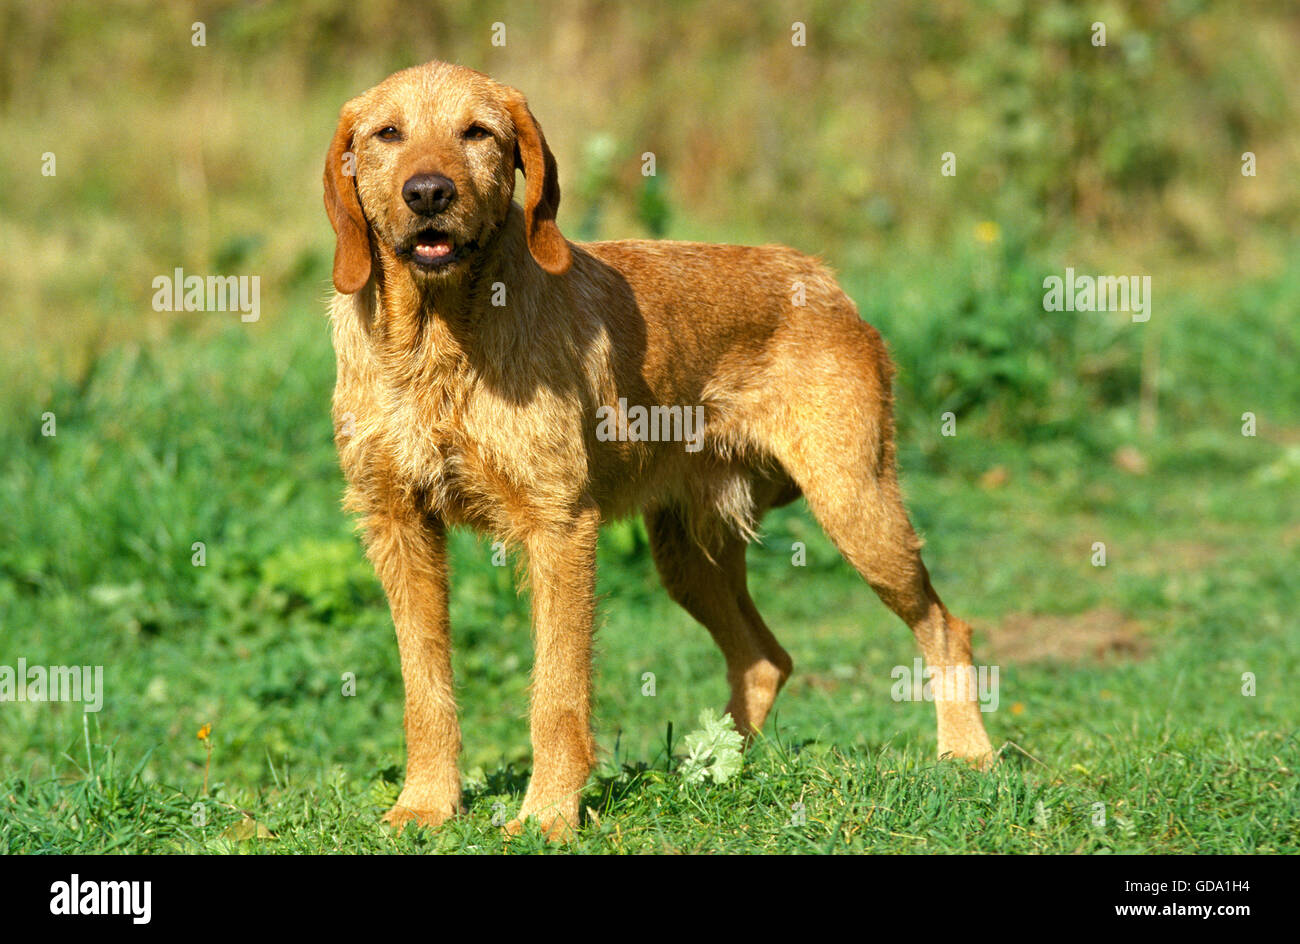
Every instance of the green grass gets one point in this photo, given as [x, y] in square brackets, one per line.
[1120, 685]
[222, 436]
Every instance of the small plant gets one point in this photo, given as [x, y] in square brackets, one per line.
[715, 750]
[205, 735]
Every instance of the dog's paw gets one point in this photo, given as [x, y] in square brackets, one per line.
[419, 809]
[556, 825]
[979, 761]
[975, 750]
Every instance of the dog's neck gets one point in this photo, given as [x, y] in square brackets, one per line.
[434, 327]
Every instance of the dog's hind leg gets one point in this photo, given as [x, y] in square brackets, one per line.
[714, 592]
[833, 433]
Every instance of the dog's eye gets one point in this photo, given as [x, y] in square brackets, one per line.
[388, 134]
[476, 133]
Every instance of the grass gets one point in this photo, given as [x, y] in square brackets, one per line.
[1120, 685]
[194, 438]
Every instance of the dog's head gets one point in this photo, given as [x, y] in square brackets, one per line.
[423, 166]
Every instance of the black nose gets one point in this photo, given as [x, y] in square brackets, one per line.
[428, 194]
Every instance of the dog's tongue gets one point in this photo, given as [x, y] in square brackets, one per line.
[433, 249]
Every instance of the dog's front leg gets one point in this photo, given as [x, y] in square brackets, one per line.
[562, 573]
[409, 552]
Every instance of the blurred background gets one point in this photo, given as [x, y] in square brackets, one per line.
[1073, 428]
[1118, 159]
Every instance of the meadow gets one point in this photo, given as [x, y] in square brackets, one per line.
[182, 527]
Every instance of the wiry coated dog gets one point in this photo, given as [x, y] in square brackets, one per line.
[480, 357]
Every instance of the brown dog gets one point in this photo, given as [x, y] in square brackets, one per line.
[490, 374]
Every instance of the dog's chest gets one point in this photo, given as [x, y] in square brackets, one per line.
[428, 426]
[475, 457]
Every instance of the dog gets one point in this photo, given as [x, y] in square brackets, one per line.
[481, 358]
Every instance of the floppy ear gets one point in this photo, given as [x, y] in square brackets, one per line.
[542, 197]
[352, 251]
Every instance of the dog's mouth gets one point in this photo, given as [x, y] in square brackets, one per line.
[431, 249]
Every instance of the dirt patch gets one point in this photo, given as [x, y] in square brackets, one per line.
[1099, 635]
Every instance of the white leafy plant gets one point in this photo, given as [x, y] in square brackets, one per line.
[715, 750]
